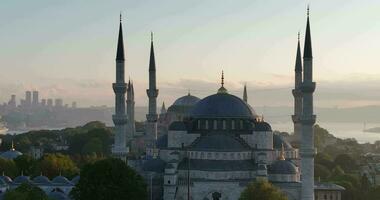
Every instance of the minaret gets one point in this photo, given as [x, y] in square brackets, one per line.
[131, 110]
[308, 118]
[152, 92]
[163, 109]
[119, 87]
[245, 96]
[297, 93]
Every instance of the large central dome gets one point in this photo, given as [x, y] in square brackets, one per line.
[222, 105]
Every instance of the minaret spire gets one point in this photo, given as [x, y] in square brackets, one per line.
[222, 89]
[120, 43]
[308, 53]
[298, 66]
[152, 63]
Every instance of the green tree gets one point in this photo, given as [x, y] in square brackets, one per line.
[25, 192]
[9, 167]
[374, 194]
[320, 171]
[94, 145]
[262, 190]
[53, 164]
[26, 164]
[346, 162]
[109, 179]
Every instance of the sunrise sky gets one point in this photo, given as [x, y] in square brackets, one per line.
[67, 49]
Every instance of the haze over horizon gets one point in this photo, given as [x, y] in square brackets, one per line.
[67, 49]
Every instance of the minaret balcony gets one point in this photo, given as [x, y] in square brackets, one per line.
[151, 118]
[297, 93]
[308, 120]
[119, 88]
[307, 87]
[152, 93]
[296, 119]
[119, 119]
[308, 153]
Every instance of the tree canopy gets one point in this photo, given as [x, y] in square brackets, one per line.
[262, 190]
[26, 192]
[109, 179]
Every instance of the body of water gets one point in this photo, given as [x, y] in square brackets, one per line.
[341, 130]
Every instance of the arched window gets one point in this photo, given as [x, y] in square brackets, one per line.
[233, 124]
[215, 124]
[206, 124]
[241, 124]
[199, 124]
[224, 124]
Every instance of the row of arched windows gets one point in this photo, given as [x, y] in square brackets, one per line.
[220, 124]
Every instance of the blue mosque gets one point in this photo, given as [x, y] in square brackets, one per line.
[212, 148]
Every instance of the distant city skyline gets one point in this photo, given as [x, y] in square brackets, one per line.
[67, 49]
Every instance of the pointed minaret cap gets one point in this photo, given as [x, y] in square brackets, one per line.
[307, 48]
[163, 108]
[222, 90]
[152, 61]
[120, 44]
[298, 66]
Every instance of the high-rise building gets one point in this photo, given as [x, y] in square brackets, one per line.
[35, 101]
[58, 103]
[12, 101]
[50, 102]
[28, 98]
[43, 102]
[74, 104]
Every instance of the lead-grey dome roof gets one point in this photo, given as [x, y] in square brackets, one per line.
[282, 167]
[188, 100]
[219, 142]
[154, 165]
[41, 180]
[222, 105]
[21, 179]
[75, 180]
[61, 180]
[6, 179]
[11, 154]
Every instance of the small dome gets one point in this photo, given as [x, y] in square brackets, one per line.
[177, 126]
[219, 142]
[154, 165]
[263, 126]
[57, 196]
[41, 180]
[21, 179]
[188, 100]
[61, 180]
[75, 180]
[11, 154]
[278, 141]
[6, 179]
[282, 167]
[222, 105]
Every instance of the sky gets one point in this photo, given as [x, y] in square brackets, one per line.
[66, 49]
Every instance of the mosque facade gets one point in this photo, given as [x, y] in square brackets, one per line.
[212, 148]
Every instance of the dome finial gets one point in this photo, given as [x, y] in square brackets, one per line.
[13, 146]
[222, 78]
[222, 90]
[308, 10]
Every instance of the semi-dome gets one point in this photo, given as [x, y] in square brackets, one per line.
[6, 179]
[41, 180]
[75, 180]
[222, 105]
[61, 180]
[263, 126]
[188, 100]
[219, 142]
[177, 126]
[154, 165]
[282, 167]
[21, 179]
[279, 141]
